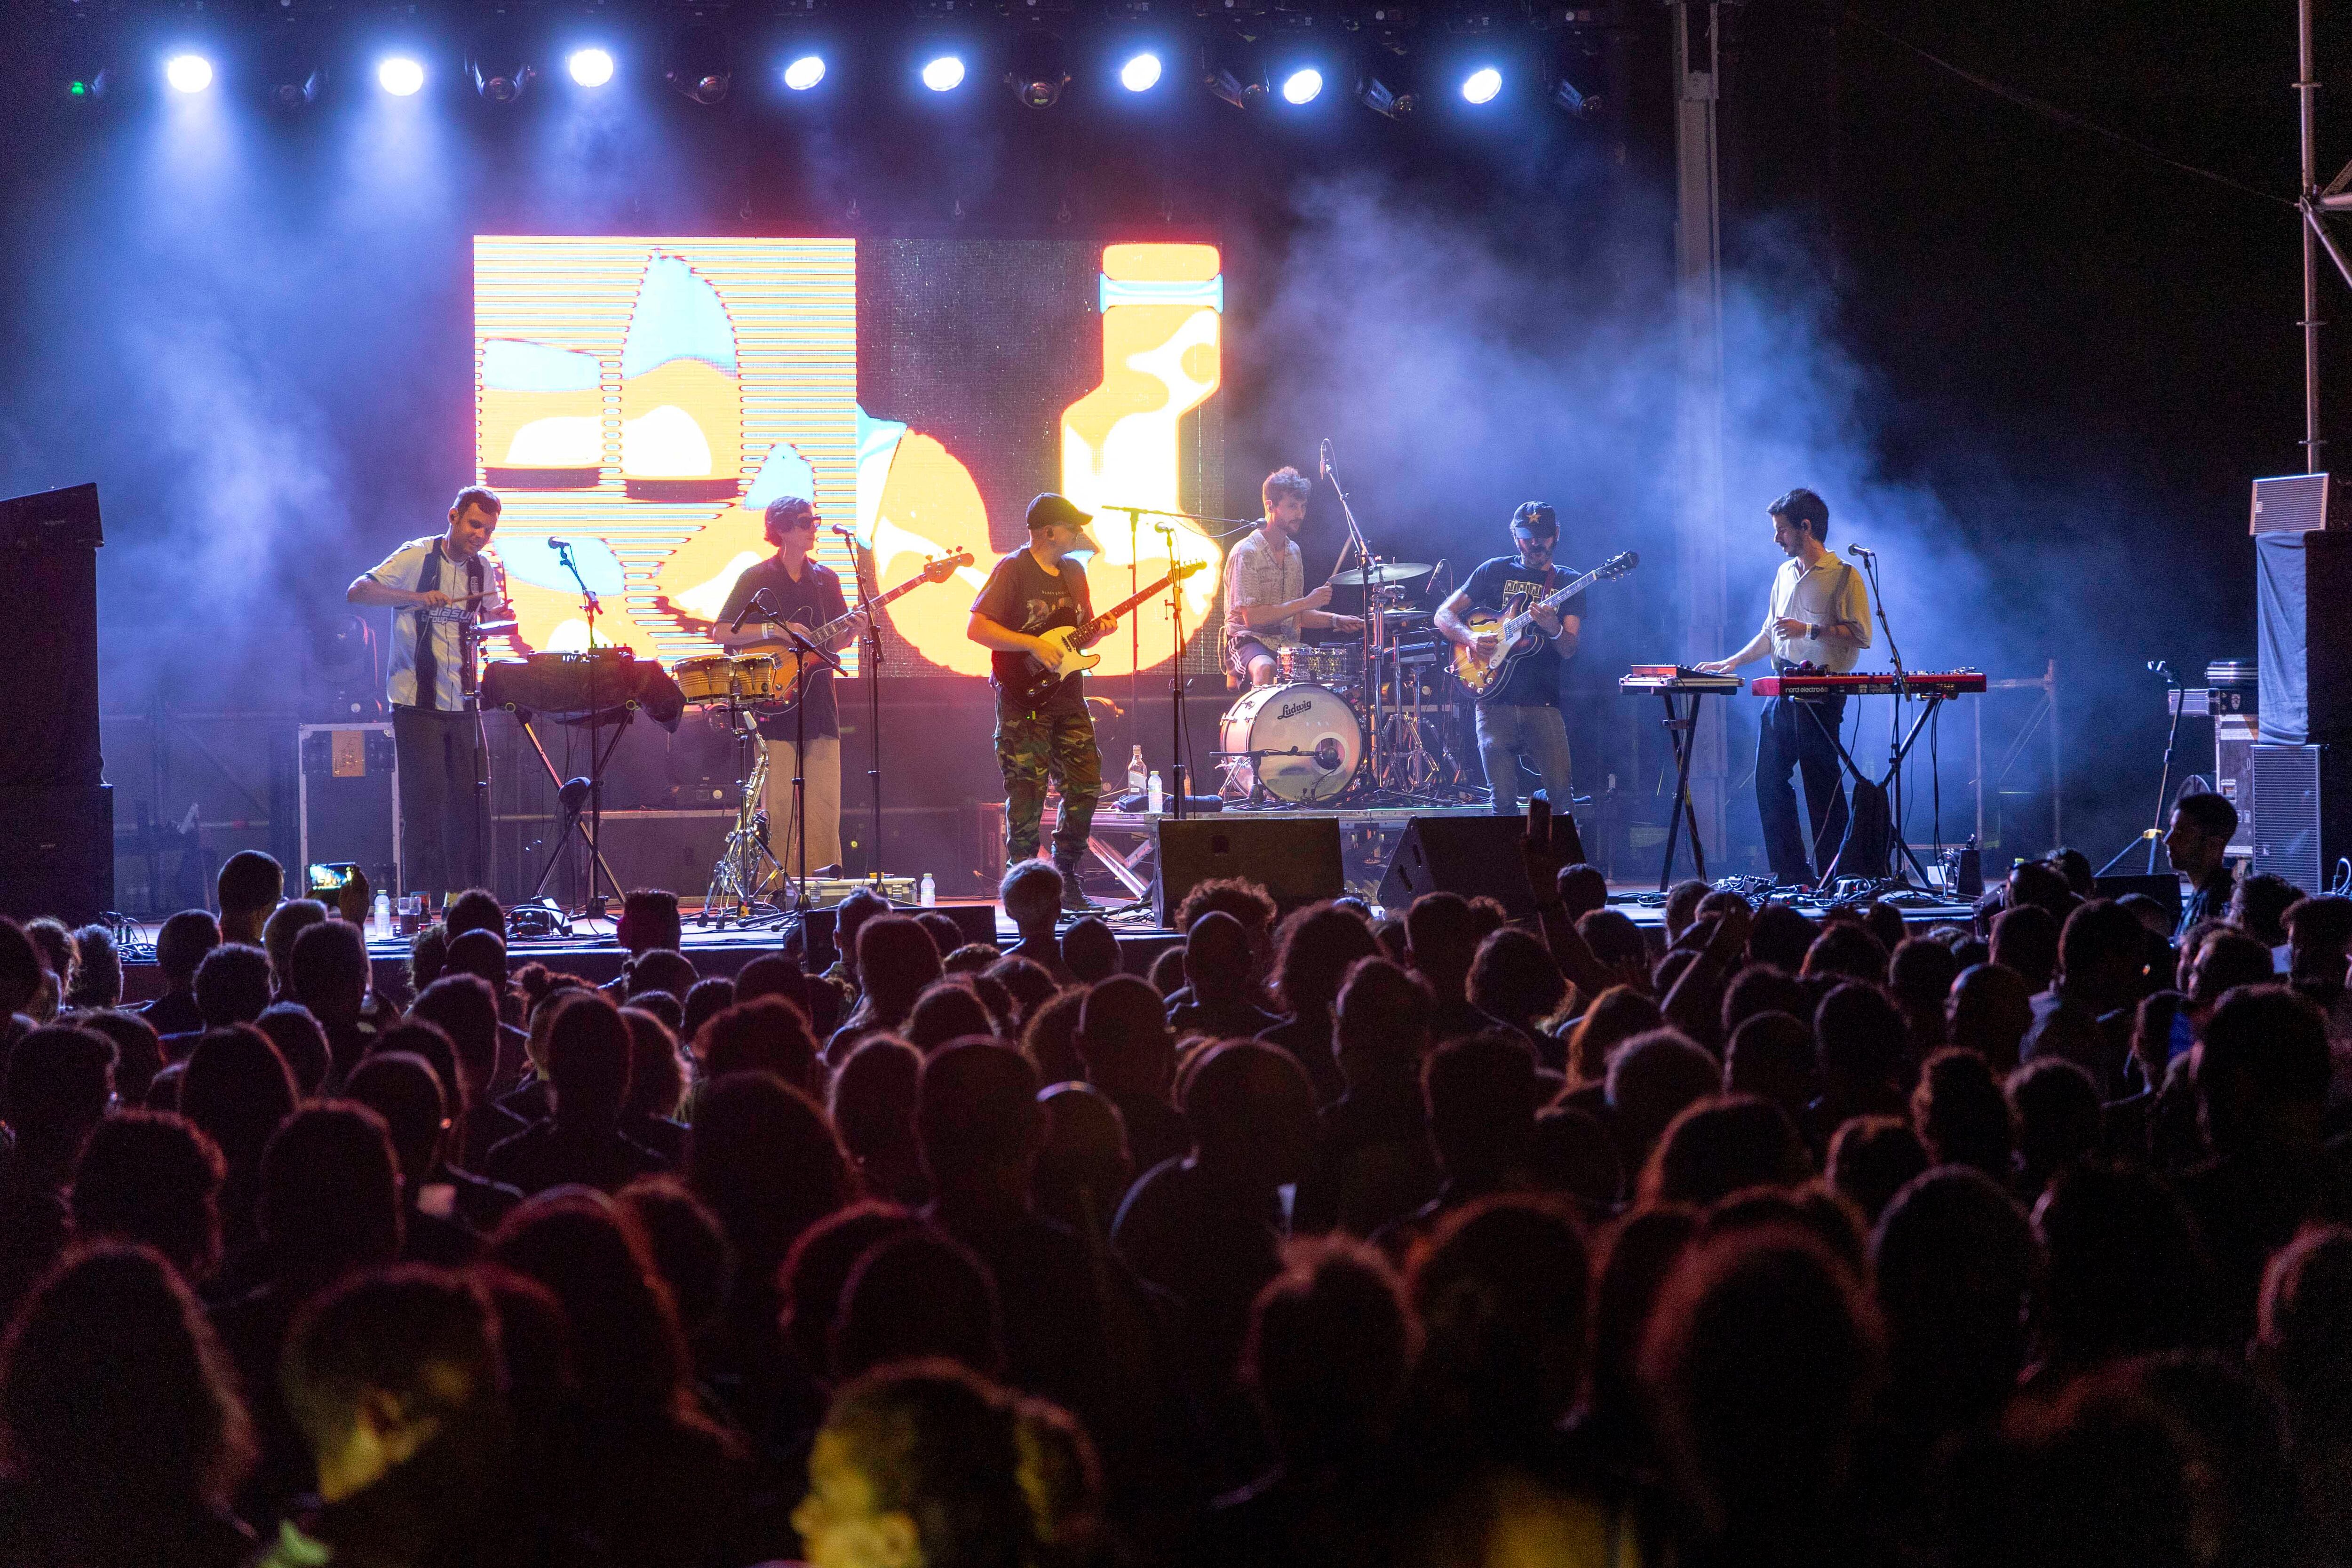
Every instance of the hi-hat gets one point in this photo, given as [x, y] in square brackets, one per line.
[1385, 572]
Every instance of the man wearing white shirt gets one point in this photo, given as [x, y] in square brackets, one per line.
[435, 587]
[1819, 616]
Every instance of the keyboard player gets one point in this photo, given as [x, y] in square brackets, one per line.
[1818, 615]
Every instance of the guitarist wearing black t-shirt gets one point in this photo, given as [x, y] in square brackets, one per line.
[1041, 732]
[1521, 718]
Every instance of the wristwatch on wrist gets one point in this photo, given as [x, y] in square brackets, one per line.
[1813, 630]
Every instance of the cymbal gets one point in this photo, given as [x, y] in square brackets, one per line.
[1385, 572]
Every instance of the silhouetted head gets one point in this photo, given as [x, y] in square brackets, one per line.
[1847, 949]
[1330, 1341]
[1090, 949]
[116, 1398]
[649, 919]
[766, 1160]
[1031, 892]
[1217, 964]
[1616, 1015]
[767, 1034]
[1961, 1115]
[917, 1294]
[475, 909]
[1083, 1165]
[1861, 1037]
[949, 1009]
[2025, 939]
[1252, 1113]
[238, 1089]
[896, 959]
[329, 1193]
[1382, 1028]
[1989, 1011]
[1314, 948]
[1501, 1293]
[1123, 1037]
[588, 1062]
[2057, 1115]
[1441, 937]
[152, 1176]
[463, 1007]
[330, 972]
[1514, 978]
[1480, 1095]
[1870, 1160]
[978, 1120]
[298, 1038]
[687, 1246]
[1771, 1056]
[819, 1266]
[1953, 1260]
[1713, 1148]
[180, 944]
[1651, 1078]
[2262, 1069]
[480, 952]
[249, 885]
[2127, 1274]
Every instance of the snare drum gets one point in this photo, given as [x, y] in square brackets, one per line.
[1339, 665]
[1300, 742]
[716, 678]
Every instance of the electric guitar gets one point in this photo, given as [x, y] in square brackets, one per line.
[1516, 634]
[792, 664]
[1068, 643]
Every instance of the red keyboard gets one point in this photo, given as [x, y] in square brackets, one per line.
[1870, 683]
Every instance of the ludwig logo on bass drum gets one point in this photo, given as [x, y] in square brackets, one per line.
[1293, 710]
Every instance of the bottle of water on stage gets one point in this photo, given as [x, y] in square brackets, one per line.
[381, 924]
[929, 893]
[1153, 792]
[1135, 773]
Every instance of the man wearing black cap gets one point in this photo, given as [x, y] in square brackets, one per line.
[1030, 593]
[1521, 718]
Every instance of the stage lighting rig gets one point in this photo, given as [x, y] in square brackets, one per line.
[1140, 71]
[943, 72]
[1234, 70]
[700, 66]
[1382, 99]
[1301, 85]
[804, 71]
[290, 70]
[590, 67]
[403, 76]
[1037, 74]
[188, 72]
[1567, 95]
[500, 83]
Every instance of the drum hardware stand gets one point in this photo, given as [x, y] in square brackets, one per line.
[745, 865]
[1375, 627]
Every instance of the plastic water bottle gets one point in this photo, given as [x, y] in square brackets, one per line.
[1135, 772]
[1154, 793]
[382, 922]
[929, 894]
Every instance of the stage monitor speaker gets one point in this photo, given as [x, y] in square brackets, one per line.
[977, 923]
[57, 853]
[48, 704]
[2300, 503]
[1296, 858]
[2302, 584]
[348, 798]
[2164, 889]
[1472, 856]
[2303, 812]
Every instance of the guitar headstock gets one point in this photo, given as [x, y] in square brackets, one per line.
[945, 566]
[1183, 570]
[1616, 566]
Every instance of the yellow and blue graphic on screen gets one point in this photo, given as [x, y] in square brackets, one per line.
[646, 399]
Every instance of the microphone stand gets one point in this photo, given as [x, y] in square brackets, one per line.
[1225, 528]
[1374, 627]
[2155, 832]
[590, 606]
[1175, 676]
[870, 666]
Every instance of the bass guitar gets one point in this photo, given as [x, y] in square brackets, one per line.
[1516, 632]
[1068, 645]
[792, 664]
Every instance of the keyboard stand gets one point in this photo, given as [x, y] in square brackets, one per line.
[1682, 730]
[1899, 849]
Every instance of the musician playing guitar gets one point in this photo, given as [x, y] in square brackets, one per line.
[805, 593]
[1041, 732]
[1521, 718]
[1818, 615]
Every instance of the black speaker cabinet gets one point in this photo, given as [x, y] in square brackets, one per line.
[976, 923]
[2302, 584]
[2303, 812]
[48, 704]
[1472, 856]
[57, 852]
[1296, 858]
[348, 798]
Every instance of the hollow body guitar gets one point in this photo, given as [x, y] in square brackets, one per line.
[1068, 645]
[792, 664]
[1516, 631]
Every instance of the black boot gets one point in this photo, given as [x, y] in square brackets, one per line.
[1074, 896]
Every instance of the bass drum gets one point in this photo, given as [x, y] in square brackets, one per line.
[1297, 743]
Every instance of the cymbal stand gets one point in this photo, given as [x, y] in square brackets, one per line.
[1375, 631]
[745, 865]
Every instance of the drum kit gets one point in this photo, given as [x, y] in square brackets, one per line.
[1332, 729]
[735, 688]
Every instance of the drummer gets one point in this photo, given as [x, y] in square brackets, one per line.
[806, 593]
[1267, 601]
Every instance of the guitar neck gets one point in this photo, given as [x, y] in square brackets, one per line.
[1109, 617]
[840, 624]
[1560, 596]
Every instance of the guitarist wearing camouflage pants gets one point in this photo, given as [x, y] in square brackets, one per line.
[1048, 733]
[1520, 720]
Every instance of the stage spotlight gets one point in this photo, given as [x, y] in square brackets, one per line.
[87, 87]
[1302, 86]
[1141, 73]
[188, 73]
[1037, 75]
[804, 72]
[1565, 95]
[1481, 85]
[399, 76]
[1382, 98]
[943, 73]
[590, 67]
[700, 64]
[498, 83]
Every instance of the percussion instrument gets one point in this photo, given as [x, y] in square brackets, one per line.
[744, 680]
[1384, 571]
[1340, 665]
[1938, 684]
[1297, 743]
[598, 687]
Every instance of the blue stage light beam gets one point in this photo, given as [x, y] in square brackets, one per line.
[1141, 73]
[400, 75]
[943, 73]
[590, 67]
[188, 72]
[804, 72]
[1303, 86]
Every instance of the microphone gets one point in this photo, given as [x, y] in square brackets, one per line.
[1859, 553]
[1325, 459]
[836, 528]
[758, 600]
[559, 544]
[1437, 571]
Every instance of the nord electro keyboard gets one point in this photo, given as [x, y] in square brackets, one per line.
[1871, 683]
[1646, 678]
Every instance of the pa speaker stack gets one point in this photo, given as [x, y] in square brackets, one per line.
[2302, 796]
[56, 814]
